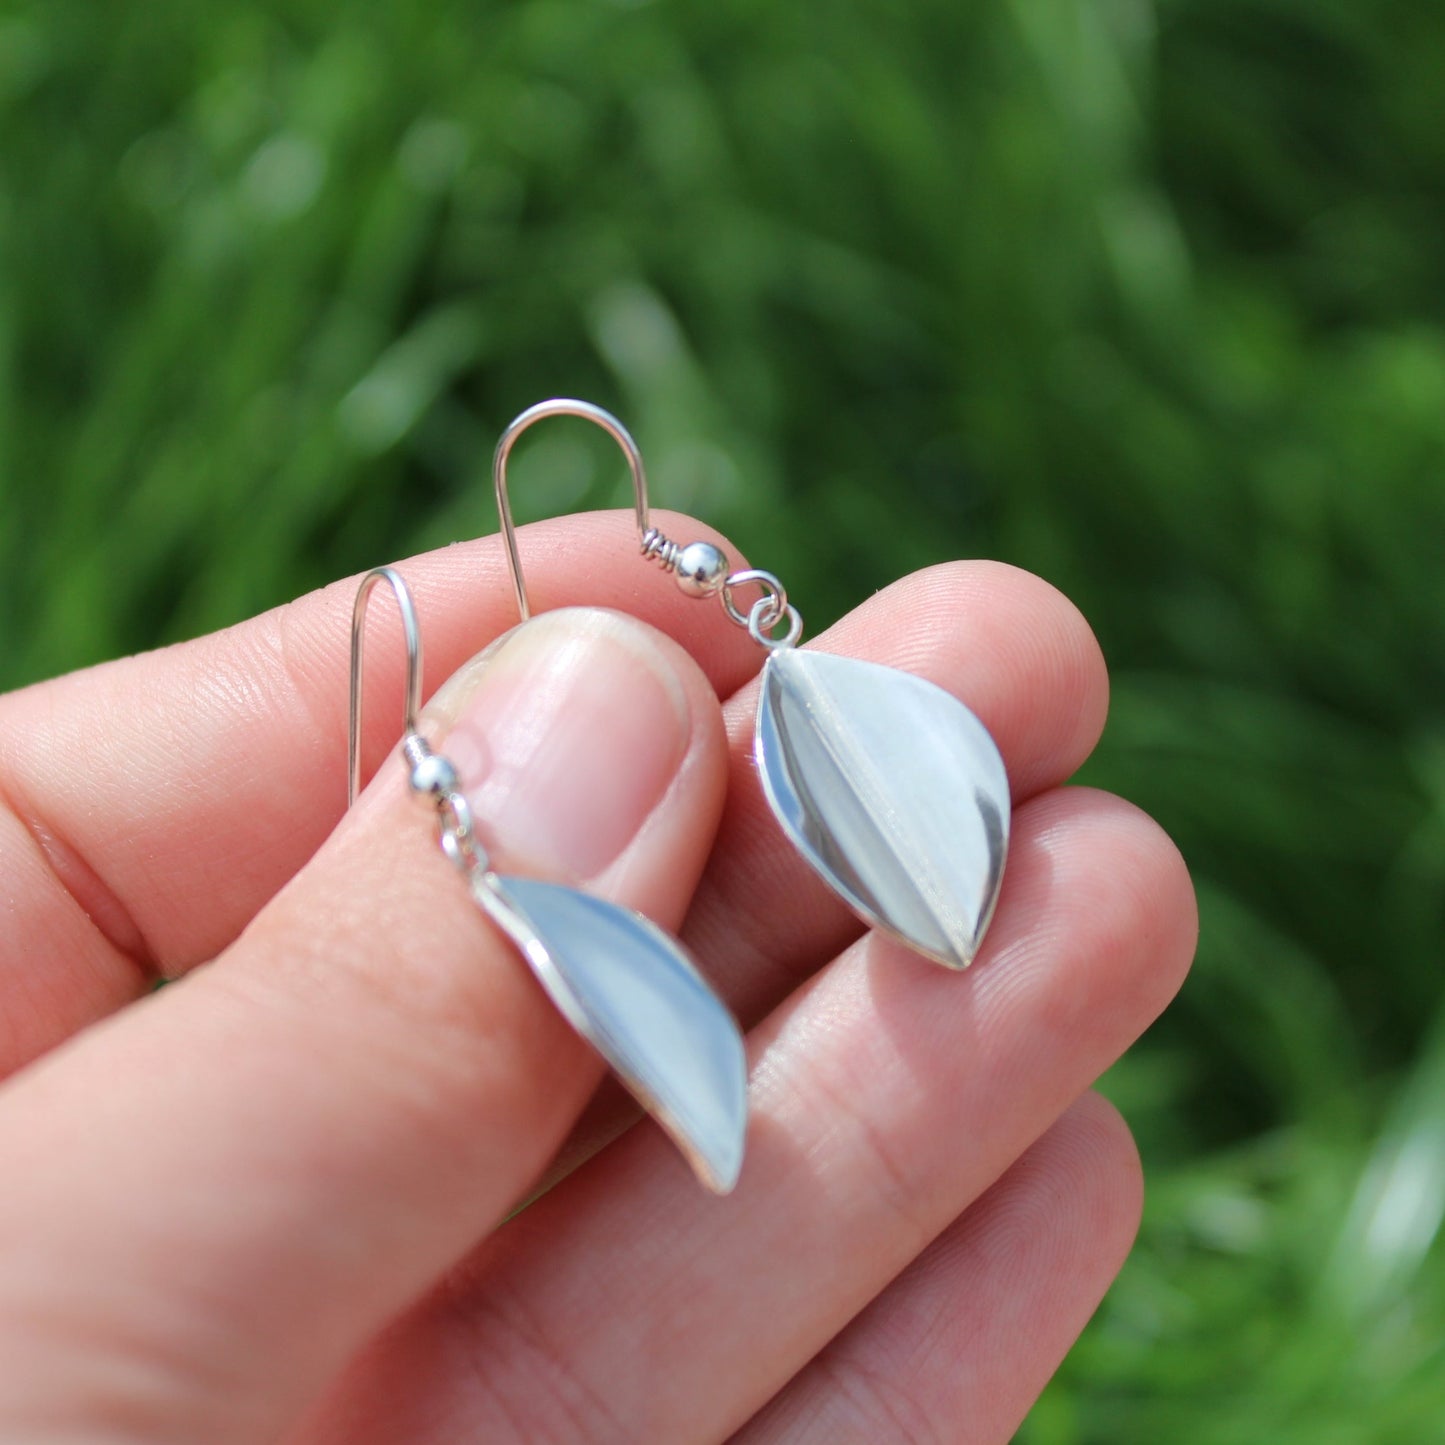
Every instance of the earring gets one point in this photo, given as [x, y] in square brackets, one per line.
[889, 786]
[623, 983]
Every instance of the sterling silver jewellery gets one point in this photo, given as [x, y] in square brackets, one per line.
[619, 980]
[889, 786]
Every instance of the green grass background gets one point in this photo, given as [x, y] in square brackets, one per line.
[1149, 298]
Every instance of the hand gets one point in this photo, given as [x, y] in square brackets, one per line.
[269, 1201]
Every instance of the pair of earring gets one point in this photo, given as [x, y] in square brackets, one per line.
[890, 788]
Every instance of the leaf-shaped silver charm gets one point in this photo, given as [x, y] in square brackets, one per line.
[631, 992]
[893, 790]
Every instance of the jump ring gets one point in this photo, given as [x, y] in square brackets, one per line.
[457, 836]
[775, 595]
[760, 627]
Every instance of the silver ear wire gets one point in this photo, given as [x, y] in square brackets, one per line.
[412, 704]
[430, 776]
[560, 406]
[700, 569]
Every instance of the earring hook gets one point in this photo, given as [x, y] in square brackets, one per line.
[412, 704]
[561, 406]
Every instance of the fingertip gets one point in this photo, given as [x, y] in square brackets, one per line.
[1157, 912]
[1129, 892]
[1043, 684]
[1105, 1170]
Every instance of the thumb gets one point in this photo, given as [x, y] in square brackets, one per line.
[214, 1199]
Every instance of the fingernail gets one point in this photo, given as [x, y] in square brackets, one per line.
[570, 733]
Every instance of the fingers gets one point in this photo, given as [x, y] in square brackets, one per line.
[887, 1095]
[1010, 646]
[959, 1347]
[157, 803]
[148, 808]
[294, 1142]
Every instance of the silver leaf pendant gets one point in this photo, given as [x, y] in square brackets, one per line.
[893, 790]
[631, 992]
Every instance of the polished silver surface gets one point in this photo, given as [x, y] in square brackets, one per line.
[433, 778]
[632, 993]
[701, 568]
[893, 790]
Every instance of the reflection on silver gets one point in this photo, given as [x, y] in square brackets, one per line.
[632, 993]
[893, 790]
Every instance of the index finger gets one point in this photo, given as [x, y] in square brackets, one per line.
[149, 807]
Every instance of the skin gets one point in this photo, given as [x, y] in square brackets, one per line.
[272, 1202]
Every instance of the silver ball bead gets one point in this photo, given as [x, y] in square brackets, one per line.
[701, 569]
[433, 777]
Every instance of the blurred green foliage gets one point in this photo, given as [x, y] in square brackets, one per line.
[1149, 298]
